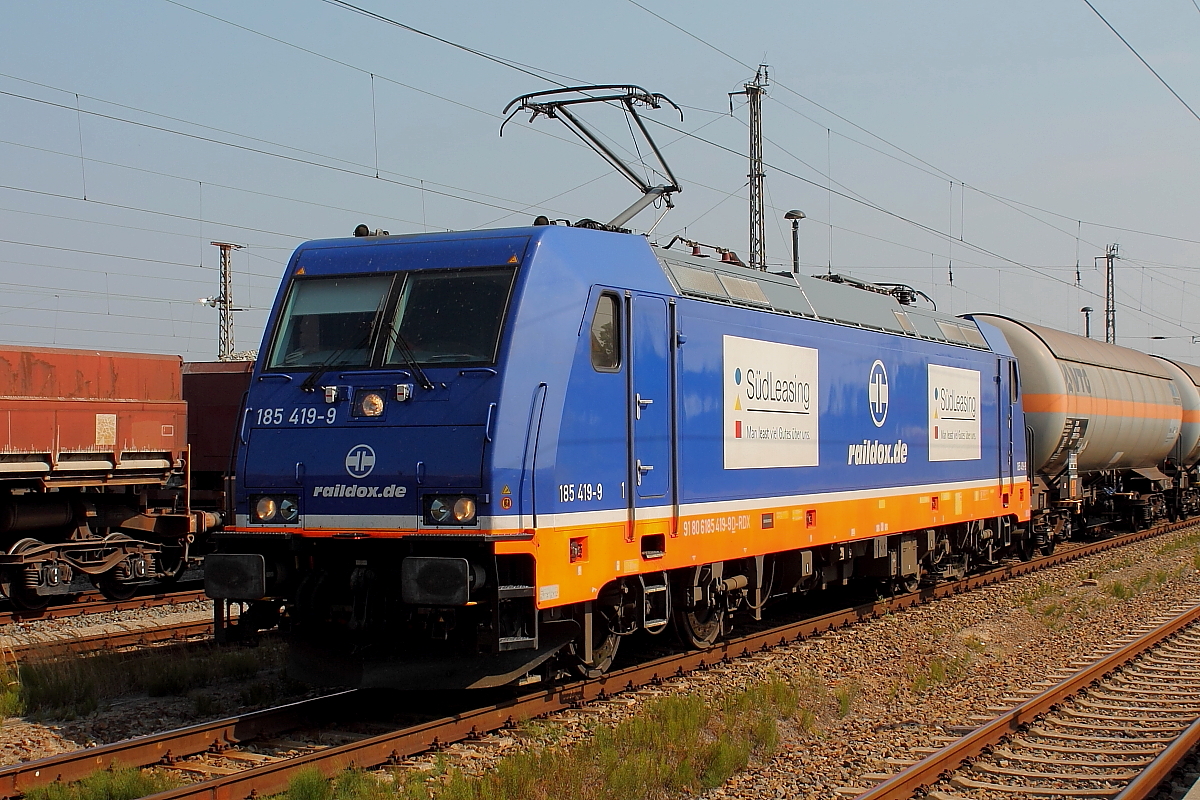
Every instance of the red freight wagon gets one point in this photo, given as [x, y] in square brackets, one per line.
[214, 391]
[94, 473]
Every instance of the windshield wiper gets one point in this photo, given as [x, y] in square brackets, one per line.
[310, 383]
[398, 343]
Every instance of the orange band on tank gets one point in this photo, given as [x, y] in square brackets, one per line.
[1098, 406]
[1191, 416]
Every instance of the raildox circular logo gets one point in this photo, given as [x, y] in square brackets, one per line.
[877, 393]
[360, 461]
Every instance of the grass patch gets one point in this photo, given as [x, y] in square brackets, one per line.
[115, 784]
[676, 745]
[943, 670]
[1196, 559]
[1182, 543]
[65, 688]
[1040, 592]
[1119, 590]
[12, 704]
[845, 696]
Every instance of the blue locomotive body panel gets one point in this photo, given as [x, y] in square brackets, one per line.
[541, 438]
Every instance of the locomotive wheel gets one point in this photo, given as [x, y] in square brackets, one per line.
[698, 624]
[13, 585]
[604, 648]
[1025, 548]
[1048, 548]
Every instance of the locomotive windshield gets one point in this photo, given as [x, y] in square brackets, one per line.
[329, 320]
[450, 317]
[439, 317]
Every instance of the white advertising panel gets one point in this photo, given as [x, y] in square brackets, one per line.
[770, 402]
[953, 413]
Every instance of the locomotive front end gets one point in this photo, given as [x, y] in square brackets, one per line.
[365, 502]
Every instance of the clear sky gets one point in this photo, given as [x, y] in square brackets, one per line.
[1002, 142]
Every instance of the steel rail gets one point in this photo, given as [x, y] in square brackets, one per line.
[92, 603]
[1152, 776]
[162, 748]
[394, 746]
[930, 770]
[99, 642]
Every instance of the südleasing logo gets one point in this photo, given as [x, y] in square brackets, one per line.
[765, 386]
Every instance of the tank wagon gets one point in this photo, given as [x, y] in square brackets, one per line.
[468, 457]
[95, 477]
[1112, 433]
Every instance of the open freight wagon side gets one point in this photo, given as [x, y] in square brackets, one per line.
[96, 483]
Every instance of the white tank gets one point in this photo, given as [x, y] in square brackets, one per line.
[1117, 408]
[1187, 379]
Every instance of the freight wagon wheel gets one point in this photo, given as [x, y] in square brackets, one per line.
[13, 584]
[108, 584]
[696, 609]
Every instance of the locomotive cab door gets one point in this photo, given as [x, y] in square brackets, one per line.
[650, 422]
[1006, 398]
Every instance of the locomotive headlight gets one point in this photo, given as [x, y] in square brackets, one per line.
[288, 510]
[454, 509]
[265, 508]
[441, 509]
[464, 509]
[368, 403]
[372, 404]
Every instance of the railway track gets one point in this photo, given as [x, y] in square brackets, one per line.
[94, 603]
[218, 751]
[1115, 728]
[113, 640]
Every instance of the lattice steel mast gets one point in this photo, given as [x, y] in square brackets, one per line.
[224, 302]
[758, 227]
[1110, 297]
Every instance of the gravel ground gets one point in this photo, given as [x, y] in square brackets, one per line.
[20, 634]
[885, 692]
[123, 717]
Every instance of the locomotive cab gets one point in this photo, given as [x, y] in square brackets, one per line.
[388, 450]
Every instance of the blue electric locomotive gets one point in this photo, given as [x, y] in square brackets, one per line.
[468, 459]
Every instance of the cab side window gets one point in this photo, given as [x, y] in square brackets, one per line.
[606, 335]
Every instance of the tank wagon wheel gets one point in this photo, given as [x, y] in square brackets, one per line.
[108, 584]
[13, 584]
[697, 612]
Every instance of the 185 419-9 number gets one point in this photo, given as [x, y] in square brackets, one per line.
[299, 416]
[580, 492]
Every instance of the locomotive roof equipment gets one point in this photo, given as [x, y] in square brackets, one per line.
[558, 104]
